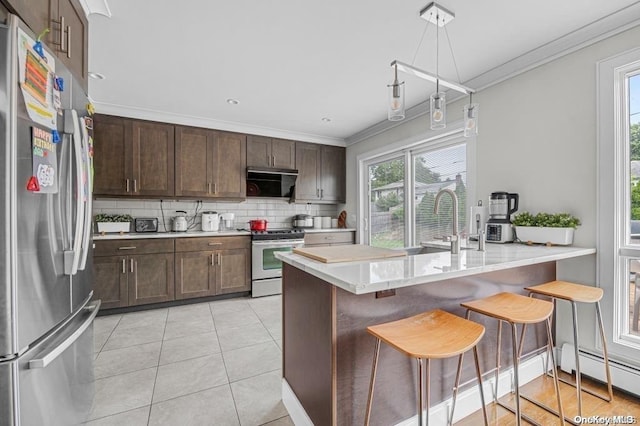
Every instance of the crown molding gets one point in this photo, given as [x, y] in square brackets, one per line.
[209, 123]
[605, 27]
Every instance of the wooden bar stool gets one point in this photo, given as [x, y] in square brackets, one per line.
[574, 293]
[517, 309]
[429, 335]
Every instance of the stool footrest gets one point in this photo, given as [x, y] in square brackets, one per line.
[548, 409]
[589, 391]
[524, 416]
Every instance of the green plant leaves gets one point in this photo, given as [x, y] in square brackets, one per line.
[103, 217]
[549, 220]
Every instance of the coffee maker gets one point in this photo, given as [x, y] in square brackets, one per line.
[501, 206]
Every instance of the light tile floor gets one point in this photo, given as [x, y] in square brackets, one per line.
[217, 363]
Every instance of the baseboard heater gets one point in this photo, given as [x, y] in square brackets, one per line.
[623, 376]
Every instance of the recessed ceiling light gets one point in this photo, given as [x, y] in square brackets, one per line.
[96, 75]
[232, 101]
[326, 119]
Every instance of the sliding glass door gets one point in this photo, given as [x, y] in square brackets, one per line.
[386, 217]
[401, 188]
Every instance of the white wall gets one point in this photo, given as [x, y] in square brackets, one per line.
[537, 137]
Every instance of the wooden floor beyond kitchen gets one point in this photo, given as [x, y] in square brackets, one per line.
[542, 390]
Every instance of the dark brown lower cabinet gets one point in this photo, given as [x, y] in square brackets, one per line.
[133, 272]
[150, 278]
[233, 271]
[212, 265]
[110, 278]
[138, 272]
[195, 274]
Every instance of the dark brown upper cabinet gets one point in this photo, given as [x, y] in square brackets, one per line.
[270, 153]
[321, 173]
[68, 30]
[210, 163]
[133, 157]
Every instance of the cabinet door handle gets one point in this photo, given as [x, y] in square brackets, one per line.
[208, 187]
[273, 161]
[215, 188]
[135, 185]
[317, 193]
[212, 259]
[321, 193]
[69, 41]
[61, 42]
[127, 185]
[219, 259]
[131, 264]
[215, 244]
[124, 266]
[127, 248]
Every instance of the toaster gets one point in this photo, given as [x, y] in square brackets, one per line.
[146, 224]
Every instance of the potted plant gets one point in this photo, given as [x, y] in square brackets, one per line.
[113, 222]
[549, 228]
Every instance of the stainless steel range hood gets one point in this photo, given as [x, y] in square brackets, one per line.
[268, 170]
[269, 182]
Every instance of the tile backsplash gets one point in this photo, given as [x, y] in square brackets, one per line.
[277, 212]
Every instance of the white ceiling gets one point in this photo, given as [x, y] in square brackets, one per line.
[290, 63]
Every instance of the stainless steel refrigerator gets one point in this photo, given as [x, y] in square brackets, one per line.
[46, 313]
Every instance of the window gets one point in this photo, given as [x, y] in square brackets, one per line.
[434, 170]
[619, 200]
[407, 179]
[386, 203]
[631, 126]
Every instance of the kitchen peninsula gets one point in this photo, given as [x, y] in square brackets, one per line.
[327, 307]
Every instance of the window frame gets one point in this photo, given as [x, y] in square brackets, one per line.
[614, 245]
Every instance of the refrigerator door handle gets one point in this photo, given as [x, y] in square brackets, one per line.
[72, 257]
[50, 356]
[88, 190]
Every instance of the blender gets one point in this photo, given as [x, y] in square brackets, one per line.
[501, 206]
[228, 221]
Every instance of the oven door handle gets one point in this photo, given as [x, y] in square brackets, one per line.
[278, 243]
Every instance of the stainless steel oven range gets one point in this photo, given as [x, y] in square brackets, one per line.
[266, 269]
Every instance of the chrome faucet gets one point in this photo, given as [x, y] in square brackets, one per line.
[455, 240]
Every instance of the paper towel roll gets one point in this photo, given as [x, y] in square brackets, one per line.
[478, 218]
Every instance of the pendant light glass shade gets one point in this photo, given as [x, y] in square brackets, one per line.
[396, 99]
[470, 120]
[438, 111]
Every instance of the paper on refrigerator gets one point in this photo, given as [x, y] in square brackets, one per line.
[36, 81]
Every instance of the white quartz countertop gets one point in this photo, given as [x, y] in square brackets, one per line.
[374, 275]
[145, 235]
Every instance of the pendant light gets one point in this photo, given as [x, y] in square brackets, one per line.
[470, 118]
[440, 17]
[438, 100]
[438, 109]
[396, 98]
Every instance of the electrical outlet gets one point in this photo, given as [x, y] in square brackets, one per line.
[385, 293]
